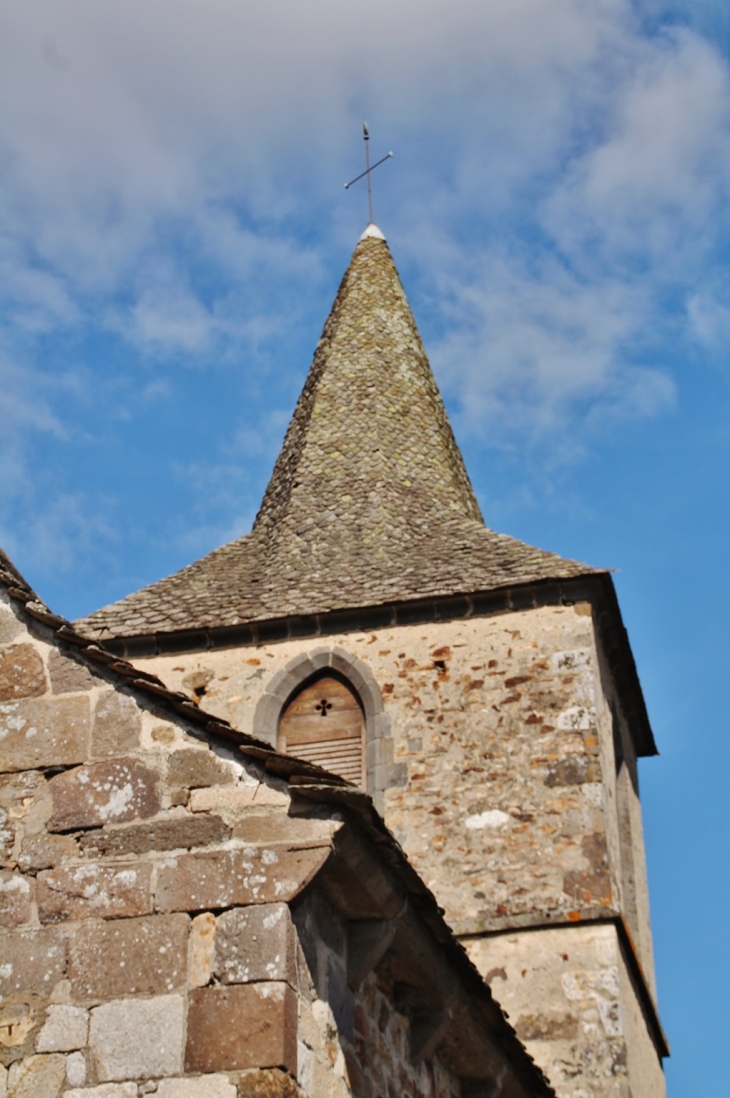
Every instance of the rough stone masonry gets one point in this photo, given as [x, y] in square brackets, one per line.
[177, 920]
[495, 767]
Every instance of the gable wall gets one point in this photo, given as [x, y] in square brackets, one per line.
[147, 943]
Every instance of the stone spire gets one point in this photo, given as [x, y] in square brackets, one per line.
[369, 457]
[369, 501]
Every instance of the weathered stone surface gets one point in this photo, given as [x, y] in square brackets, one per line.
[573, 770]
[34, 731]
[548, 1026]
[66, 1028]
[106, 1090]
[22, 674]
[590, 886]
[20, 808]
[201, 949]
[7, 835]
[253, 875]
[560, 987]
[138, 1038]
[16, 897]
[205, 1086]
[104, 792]
[43, 851]
[76, 1070]
[117, 725]
[10, 627]
[270, 1083]
[146, 956]
[177, 834]
[231, 801]
[38, 1077]
[21, 1017]
[478, 735]
[255, 943]
[85, 891]
[192, 768]
[276, 827]
[261, 1028]
[31, 961]
[68, 675]
[26, 797]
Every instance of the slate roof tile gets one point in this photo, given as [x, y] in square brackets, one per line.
[369, 501]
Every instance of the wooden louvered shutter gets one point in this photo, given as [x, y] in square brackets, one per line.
[324, 724]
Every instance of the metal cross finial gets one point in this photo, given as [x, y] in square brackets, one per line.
[368, 169]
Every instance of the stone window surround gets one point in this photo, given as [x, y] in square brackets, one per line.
[382, 773]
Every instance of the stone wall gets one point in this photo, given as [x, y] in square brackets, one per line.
[569, 995]
[154, 935]
[497, 752]
[356, 1035]
[501, 770]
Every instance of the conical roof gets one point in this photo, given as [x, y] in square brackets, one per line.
[369, 501]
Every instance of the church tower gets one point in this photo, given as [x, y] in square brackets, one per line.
[481, 691]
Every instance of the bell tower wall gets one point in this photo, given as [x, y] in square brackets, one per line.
[500, 756]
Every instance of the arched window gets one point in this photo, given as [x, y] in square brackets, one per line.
[323, 722]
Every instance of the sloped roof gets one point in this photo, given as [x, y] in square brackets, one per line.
[310, 783]
[369, 501]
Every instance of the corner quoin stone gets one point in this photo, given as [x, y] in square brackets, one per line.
[255, 943]
[260, 1030]
[253, 875]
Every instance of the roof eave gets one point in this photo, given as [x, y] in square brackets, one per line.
[593, 586]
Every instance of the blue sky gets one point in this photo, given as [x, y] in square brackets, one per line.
[173, 227]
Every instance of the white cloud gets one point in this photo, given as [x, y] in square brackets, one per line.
[650, 189]
[172, 178]
[708, 314]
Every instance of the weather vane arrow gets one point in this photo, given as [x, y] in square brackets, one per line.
[368, 169]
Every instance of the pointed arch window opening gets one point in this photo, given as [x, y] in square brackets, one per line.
[323, 722]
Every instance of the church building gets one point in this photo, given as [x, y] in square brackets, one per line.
[482, 691]
[474, 696]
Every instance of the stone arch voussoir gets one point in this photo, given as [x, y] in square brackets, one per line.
[381, 772]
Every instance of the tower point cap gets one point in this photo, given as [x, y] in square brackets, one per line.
[373, 231]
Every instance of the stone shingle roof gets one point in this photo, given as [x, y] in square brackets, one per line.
[369, 501]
